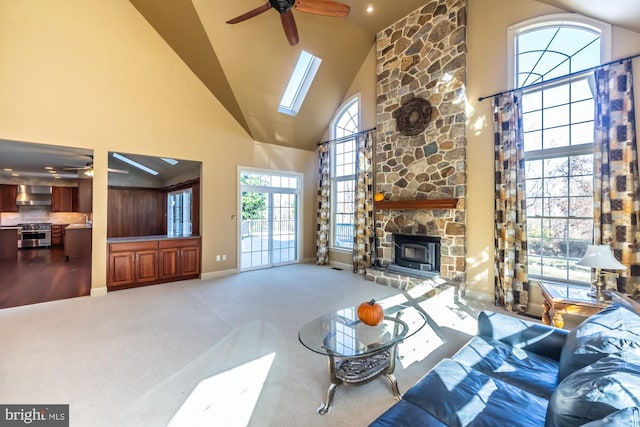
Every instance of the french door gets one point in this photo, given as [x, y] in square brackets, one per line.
[269, 224]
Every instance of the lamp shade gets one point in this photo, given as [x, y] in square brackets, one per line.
[600, 256]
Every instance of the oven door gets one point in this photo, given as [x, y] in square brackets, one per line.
[34, 238]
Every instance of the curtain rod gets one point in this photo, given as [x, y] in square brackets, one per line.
[586, 70]
[345, 138]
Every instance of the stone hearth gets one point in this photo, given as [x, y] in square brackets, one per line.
[423, 56]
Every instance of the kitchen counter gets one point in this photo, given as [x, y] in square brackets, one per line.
[147, 238]
[77, 241]
[77, 226]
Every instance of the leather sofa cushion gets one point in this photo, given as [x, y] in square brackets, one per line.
[460, 396]
[615, 330]
[406, 414]
[511, 364]
[594, 392]
[628, 417]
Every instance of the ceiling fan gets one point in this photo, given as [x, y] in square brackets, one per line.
[317, 7]
[88, 168]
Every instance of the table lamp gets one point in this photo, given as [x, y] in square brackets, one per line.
[599, 257]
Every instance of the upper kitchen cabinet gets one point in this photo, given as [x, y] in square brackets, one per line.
[64, 199]
[8, 195]
[85, 196]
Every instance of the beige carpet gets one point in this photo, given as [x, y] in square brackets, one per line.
[221, 352]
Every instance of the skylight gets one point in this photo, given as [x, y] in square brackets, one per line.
[172, 162]
[299, 83]
[134, 164]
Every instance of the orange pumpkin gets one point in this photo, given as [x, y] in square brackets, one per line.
[378, 197]
[370, 313]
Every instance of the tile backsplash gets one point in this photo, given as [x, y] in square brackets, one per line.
[28, 214]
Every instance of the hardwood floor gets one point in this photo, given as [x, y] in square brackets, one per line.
[41, 274]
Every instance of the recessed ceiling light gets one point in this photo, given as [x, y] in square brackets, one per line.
[57, 176]
[48, 167]
[15, 174]
[7, 169]
[52, 171]
[369, 9]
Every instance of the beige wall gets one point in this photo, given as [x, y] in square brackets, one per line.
[94, 74]
[487, 74]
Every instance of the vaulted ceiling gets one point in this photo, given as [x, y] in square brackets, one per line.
[247, 65]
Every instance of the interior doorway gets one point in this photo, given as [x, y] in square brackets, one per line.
[269, 231]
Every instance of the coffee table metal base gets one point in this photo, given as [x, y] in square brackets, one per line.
[359, 370]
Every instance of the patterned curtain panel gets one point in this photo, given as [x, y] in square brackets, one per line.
[511, 278]
[324, 205]
[363, 218]
[616, 203]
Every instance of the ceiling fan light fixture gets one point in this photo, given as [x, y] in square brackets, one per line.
[89, 172]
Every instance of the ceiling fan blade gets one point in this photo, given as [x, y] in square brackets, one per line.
[323, 7]
[255, 12]
[290, 28]
[117, 170]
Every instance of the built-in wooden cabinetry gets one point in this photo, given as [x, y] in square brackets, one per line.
[133, 263]
[64, 199]
[179, 258]
[57, 234]
[85, 196]
[8, 195]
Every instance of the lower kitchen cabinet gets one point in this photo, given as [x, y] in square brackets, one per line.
[152, 261]
[57, 234]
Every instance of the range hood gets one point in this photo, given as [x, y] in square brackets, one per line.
[34, 195]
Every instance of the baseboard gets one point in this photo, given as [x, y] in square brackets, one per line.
[341, 265]
[220, 273]
[98, 292]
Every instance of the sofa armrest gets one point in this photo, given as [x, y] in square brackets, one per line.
[531, 336]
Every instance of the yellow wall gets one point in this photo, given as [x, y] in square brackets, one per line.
[487, 74]
[94, 74]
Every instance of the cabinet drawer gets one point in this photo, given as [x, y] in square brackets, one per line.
[133, 246]
[179, 243]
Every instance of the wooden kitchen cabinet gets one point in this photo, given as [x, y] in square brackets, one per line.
[179, 258]
[57, 234]
[63, 199]
[85, 196]
[132, 263]
[8, 195]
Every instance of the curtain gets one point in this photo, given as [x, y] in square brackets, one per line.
[363, 206]
[511, 285]
[324, 205]
[616, 201]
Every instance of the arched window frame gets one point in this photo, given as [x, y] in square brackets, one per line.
[542, 264]
[343, 184]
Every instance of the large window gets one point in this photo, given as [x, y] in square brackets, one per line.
[343, 174]
[558, 123]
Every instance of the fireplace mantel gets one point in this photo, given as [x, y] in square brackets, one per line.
[417, 204]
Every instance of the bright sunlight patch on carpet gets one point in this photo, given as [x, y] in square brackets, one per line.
[226, 399]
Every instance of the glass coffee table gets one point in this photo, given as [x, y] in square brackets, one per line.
[359, 353]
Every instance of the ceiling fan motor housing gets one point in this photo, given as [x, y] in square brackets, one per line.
[282, 6]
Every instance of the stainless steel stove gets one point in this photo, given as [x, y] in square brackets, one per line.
[35, 235]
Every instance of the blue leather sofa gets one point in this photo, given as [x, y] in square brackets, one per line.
[521, 373]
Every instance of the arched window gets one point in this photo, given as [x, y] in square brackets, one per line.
[343, 173]
[556, 55]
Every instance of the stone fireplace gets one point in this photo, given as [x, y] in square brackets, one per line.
[422, 56]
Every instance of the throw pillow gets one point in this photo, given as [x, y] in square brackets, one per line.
[614, 330]
[594, 392]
